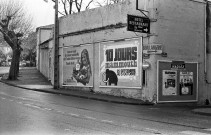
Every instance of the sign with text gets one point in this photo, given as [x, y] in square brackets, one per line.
[78, 66]
[178, 65]
[120, 64]
[152, 49]
[138, 24]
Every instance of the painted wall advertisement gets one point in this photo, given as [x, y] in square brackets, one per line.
[120, 64]
[77, 66]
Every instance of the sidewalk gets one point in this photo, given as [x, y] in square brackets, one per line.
[32, 79]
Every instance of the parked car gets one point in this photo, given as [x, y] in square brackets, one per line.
[22, 63]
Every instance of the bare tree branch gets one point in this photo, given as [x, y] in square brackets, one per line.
[64, 6]
[89, 4]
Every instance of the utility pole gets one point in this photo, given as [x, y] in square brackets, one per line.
[56, 48]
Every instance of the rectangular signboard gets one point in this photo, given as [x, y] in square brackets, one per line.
[120, 64]
[138, 24]
[152, 49]
[177, 85]
[78, 66]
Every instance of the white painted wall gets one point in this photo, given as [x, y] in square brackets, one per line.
[180, 28]
[97, 18]
[179, 25]
[44, 56]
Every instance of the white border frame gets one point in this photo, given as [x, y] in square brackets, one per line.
[140, 48]
[63, 66]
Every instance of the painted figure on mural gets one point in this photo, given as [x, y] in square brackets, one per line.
[82, 72]
[111, 77]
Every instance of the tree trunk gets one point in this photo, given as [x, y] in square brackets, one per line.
[14, 68]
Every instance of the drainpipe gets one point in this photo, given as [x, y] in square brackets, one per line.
[205, 41]
[207, 26]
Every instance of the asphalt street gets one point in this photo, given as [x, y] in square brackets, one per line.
[29, 112]
[24, 110]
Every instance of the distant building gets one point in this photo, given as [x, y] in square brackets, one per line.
[158, 53]
[44, 49]
[6, 50]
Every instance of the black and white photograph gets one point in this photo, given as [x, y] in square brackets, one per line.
[105, 67]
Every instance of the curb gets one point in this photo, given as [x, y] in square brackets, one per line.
[197, 111]
[80, 96]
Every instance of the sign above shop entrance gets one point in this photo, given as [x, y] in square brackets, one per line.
[138, 24]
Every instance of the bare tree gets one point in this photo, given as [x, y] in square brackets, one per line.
[29, 47]
[14, 25]
[79, 4]
[107, 2]
[73, 6]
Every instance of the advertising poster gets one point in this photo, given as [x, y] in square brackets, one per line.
[78, 66]
[120, 64]
[169, 83]
[186, 83]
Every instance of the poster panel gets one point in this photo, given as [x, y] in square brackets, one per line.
[78, 66]
[120, 64]
[177, 81]
[186, 83]
[169, 83]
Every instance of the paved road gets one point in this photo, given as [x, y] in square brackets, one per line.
[29, 112]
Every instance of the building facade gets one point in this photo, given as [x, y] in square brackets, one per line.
[167, 62]
[44, 49]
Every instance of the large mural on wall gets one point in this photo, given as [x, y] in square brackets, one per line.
[120, 63]
[78, 65]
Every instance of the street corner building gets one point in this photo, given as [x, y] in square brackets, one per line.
[152, 50]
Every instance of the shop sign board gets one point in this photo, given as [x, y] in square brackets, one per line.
[177, 85]
[78, 66]
[152, 49]
[120, 63]
[138, 24]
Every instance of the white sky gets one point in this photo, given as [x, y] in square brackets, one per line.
[42, 12]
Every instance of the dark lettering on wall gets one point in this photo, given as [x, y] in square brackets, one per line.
[109, 55]
[124, 54]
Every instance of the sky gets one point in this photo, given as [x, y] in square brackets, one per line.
[42, 12]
